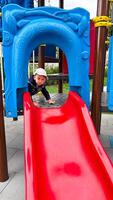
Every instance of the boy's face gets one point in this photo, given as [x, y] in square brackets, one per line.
[40, 80]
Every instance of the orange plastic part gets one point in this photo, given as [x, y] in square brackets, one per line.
[64, 159]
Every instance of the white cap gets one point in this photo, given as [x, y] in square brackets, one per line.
[40, 71]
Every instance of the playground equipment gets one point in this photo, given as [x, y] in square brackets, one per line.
[92, 50]
[102, 9]
[3, 153]
[100, 55]
[110, 76]
[59, 168]
[63, 156]
[67, 29]
[92, 47]
[23, 3]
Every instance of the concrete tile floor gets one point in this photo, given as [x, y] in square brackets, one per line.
[13, 189]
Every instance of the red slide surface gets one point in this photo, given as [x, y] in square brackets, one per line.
[64, 159]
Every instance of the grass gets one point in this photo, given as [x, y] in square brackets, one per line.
[54, 88]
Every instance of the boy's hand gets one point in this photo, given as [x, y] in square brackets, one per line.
[50, 101]
[35, 103]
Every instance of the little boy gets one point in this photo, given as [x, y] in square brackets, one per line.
[37, 82]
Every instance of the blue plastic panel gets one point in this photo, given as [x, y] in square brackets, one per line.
[67, 29]
[110, 76]
[0, 28]
[24, 3]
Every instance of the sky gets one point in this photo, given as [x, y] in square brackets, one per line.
[90, 5]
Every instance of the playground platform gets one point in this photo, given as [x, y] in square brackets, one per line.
[13, 189]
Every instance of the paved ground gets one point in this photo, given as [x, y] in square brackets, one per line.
[13, 189]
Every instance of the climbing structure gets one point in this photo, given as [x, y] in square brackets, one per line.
[68, 30]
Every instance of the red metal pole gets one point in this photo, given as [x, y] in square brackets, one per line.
[100, 54]
[3, 153]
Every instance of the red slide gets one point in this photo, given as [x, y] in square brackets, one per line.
[64, 159]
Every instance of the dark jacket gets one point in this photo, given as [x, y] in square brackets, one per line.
[33, 88]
